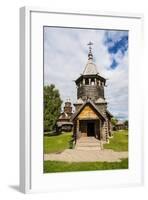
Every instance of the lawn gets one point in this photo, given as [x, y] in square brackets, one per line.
[119, 142]
[57, 143]
[58, 166]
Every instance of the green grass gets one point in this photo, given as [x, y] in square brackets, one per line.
[57, 143]
[58, 166]
[119, 142]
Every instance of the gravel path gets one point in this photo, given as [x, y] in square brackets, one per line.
[74, 155]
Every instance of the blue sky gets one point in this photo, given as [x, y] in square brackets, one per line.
[65, 57]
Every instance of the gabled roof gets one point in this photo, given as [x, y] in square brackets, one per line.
[100, 101]
[89, 102]
[64, 123]
[79, 101]
[120, 123]
[63, 115]
[109, 113]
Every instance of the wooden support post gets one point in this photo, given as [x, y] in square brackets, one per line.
[95, 81]
[78, 128]
[83, 81]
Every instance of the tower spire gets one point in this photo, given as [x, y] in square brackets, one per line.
[90, 55]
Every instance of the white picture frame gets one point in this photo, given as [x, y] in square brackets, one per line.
[32, 178]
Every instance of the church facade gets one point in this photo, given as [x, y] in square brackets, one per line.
[91, 117]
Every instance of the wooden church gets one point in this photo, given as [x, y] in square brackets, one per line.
[91, 117]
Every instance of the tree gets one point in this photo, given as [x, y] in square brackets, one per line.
[52, 107]
[114, 121]
[126, 124]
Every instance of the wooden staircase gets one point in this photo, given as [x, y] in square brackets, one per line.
[88, 143]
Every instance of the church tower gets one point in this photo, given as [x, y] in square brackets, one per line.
[90, 85]
[68, 107]
[91, 117]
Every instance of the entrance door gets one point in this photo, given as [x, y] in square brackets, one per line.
[90, 129]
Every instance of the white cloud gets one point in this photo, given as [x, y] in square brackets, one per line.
[65, 56]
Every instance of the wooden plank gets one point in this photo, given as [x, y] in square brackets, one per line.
[87, 113]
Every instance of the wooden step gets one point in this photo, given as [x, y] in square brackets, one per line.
[88, 148]
[88, 143]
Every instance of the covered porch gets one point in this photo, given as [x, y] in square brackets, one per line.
[89, 128]
[88, 122]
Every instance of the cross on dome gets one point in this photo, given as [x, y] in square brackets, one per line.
[90, 68]
[90, 43]
[90, 56]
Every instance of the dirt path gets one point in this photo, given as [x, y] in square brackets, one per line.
[74, 155]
